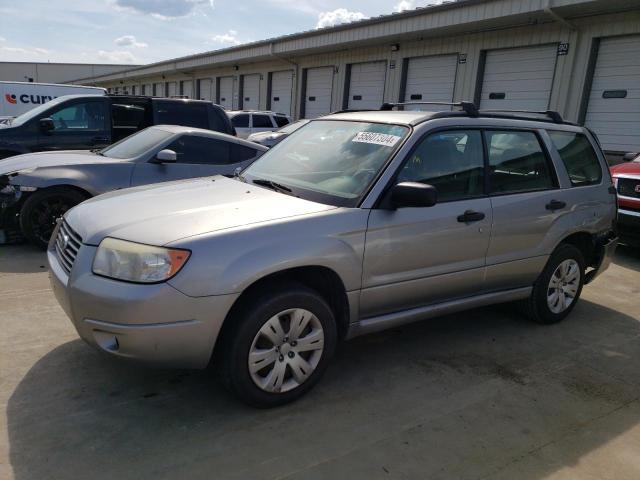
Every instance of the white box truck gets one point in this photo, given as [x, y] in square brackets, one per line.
[19, 97]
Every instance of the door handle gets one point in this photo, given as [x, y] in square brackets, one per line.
[470, 216]
[555, 205]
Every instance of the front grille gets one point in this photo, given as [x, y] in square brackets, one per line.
[629, 187]
[68, 243]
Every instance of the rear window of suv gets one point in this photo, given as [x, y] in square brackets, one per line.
[578, 157]
[188, 114]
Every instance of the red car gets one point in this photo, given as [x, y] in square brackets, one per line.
[626, 177]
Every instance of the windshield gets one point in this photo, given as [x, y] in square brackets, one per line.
[293, 126]
[137, 144]
[35, 112]
[329, 161]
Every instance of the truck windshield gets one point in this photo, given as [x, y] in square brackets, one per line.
[328, 161]
[36, 112]
[137, 144]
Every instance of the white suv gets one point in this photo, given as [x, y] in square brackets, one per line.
[247, 122]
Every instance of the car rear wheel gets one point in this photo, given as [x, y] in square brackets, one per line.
[558, 288]
[42, 210]
[279, 347]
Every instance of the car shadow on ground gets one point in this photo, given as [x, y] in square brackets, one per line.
[462, 396]
[22, 259]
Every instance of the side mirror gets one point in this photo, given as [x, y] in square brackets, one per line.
[46, 125]
[628, 157]
[413, 194]
[165, 156]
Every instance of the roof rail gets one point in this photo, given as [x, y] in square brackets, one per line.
[551, 114]
[468, 107]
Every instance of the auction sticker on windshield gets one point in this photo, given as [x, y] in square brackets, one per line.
[376, 138]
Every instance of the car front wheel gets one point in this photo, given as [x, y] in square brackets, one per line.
[42, 210]
[279, 346]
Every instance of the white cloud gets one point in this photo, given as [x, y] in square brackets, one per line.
[129, 41]
[229, 38]
[30, 51]
[163, 9]
[337, 16]
[2, 39]
[404, 5]
[116, 56]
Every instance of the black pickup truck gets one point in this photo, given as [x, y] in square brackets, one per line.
[82, 122]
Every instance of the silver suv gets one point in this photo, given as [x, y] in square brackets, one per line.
[357, 222]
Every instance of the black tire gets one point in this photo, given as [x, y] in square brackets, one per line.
[248, 319]
[40, 212]
[536, 307]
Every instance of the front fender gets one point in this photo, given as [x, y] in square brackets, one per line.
[229, 262]
[94, 179]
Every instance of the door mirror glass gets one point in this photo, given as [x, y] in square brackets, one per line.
[414, 194]
[166, 156]
[46, 125]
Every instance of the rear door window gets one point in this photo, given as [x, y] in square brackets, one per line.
[262, 121]
[189, 114]
[517, 162]
[200, 150]
[578, 157]
[240, 121]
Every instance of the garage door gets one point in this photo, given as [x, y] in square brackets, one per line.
[281, 91]
[187, 88]
[250, 92]
[205, 89]
[518, 78]
[158, 90]
[318, 88]
[366, 85]
[226, 92]
[431, 79]
[172, 89]
[613, 111]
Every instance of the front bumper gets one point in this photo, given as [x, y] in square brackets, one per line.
[629, 226]
[153, 324]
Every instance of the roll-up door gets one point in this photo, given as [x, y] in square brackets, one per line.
[205, 89]
[158, 90]
[318, 88]
[187, 88]
[613, 110]
[172, 89]
[366, 85]
[281, 91]
[431, 79]
[250, 92]
[226, 92]
[518, 78]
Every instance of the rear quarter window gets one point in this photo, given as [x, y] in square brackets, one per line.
[578, 156]
[188, 114]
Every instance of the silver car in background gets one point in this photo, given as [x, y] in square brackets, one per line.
[38, 188]
[355, 223]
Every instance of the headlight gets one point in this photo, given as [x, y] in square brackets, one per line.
[135, 262]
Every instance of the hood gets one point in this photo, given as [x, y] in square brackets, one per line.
[30, 161]
[627, 168]
[161, 214]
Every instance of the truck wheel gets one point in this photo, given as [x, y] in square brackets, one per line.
[279, 346]
[42, 210]
[558, 287]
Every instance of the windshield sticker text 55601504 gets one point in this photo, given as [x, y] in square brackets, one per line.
[376, 138]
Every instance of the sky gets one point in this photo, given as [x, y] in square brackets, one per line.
[145, 31]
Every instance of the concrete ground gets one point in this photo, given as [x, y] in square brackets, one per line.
[478, 395]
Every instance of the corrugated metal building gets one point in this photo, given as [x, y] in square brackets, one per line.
[580, 57]
[45, 72]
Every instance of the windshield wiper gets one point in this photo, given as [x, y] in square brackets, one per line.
[98, 151]
[271, 184]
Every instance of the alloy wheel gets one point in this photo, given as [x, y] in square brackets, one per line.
[563, 286]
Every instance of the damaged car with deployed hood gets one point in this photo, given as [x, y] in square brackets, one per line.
[36, 189]
[358, 222]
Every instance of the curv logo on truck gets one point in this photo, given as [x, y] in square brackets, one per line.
[29, 99]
